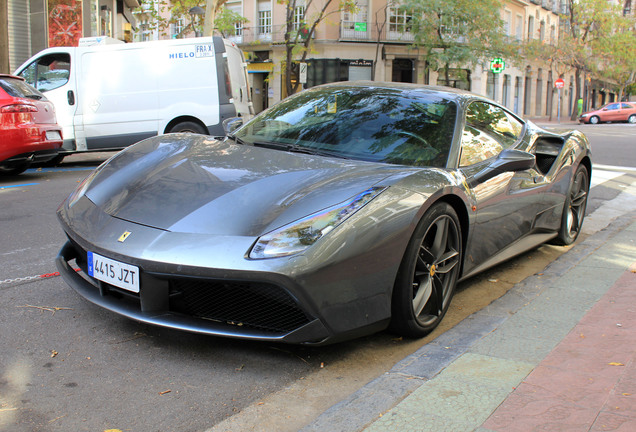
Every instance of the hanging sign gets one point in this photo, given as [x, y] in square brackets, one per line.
[497, 65]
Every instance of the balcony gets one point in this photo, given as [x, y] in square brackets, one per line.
[349, 32]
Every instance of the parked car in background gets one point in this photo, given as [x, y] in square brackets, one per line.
[109, 95]
[613, 112]
[338, 212]
[28, 127]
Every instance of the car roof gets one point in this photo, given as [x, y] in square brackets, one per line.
[447, 92]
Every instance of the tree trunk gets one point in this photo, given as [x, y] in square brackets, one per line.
[577, 86]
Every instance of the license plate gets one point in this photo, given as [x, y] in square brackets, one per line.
[116, 273]
[53, 135]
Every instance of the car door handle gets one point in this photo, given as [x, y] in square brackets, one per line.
[71, 97]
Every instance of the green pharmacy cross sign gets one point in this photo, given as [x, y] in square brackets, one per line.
[497, 65]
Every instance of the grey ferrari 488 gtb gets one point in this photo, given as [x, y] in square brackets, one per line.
[341, 211]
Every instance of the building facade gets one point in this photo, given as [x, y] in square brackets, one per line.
[38, 24]
[375, 43]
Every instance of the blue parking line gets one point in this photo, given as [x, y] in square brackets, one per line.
[36, 170]
[19, 185]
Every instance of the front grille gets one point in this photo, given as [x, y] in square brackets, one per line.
[255, 305]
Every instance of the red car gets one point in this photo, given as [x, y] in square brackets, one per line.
[613, 112]
[28, 128]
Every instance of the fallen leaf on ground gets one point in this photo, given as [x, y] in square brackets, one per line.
[616, 364]
[51, 309]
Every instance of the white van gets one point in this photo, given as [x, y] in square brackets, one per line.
[109, 95]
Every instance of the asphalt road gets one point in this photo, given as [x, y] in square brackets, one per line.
[612, 143]
[69, 365]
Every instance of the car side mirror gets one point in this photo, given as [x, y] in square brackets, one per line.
[231, 124]
[508, 160]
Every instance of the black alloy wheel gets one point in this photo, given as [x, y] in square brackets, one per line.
[574, 208]
[428, 273]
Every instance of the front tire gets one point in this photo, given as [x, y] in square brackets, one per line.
[574, 207]
[594, 120]
[428, 273]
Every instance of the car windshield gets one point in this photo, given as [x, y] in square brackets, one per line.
[18, 88]
[363, 123]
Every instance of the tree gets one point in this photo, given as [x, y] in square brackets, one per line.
[457, 31]
[162, 13]
[302, 18]
[586, 26]
[212, 8]
[226, 20]
[616, 61]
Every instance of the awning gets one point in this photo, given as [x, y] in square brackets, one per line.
[264, 67]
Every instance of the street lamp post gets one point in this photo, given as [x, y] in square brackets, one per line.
[196, 11]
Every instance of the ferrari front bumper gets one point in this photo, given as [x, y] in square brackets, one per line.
[230, 308]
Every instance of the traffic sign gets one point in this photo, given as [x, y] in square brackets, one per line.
[559, 83]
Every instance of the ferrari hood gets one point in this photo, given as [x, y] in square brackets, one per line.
[194, 184]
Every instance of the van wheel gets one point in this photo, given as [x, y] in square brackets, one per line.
[189, 127]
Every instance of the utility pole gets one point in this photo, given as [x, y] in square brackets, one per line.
[4, 36]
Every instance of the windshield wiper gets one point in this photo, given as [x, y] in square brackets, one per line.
[271, 145]
[311, 151]
[294, 148]
[235, 139]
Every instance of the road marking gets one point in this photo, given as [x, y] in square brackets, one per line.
[601, 176]
[613, 168]
[59, 169]
[19, 185]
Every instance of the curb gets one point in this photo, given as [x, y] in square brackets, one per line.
[385, 392]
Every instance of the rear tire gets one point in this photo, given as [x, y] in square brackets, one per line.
[632, 119]
[14, 169]
[574, 207]
[428, 273]
[189, 127]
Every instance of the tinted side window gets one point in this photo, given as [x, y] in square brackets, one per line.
[613, 106]
[488, 131]
[18, 88]
[48, 72]
[477, 146]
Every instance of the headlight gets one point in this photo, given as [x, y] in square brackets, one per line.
[299, 235]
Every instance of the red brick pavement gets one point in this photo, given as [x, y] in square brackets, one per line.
[588, 382]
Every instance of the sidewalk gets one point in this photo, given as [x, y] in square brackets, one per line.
[557, 352]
